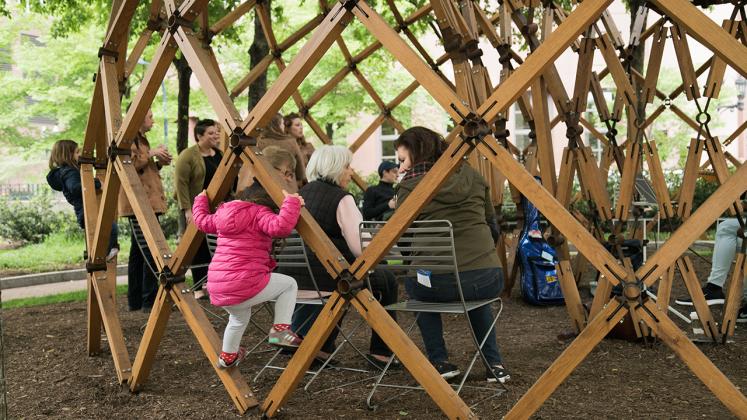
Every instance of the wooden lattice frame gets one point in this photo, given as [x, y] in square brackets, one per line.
[110, 137]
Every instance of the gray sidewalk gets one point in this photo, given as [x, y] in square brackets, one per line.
[49, 289]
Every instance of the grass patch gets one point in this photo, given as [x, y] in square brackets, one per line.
[77, 296]
[58, 252]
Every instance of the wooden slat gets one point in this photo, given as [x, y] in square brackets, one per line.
[154, 330]
[231, 17]
[573, 304]
[105, 291]
[241, 395]
[734, 296]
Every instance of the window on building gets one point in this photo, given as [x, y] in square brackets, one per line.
[388, 135]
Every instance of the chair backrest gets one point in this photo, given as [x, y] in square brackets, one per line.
[212, 243]
[292, 254]
[425, 245]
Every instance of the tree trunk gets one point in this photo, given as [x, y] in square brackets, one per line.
[257, 51]
[330, 129]
[184, 74]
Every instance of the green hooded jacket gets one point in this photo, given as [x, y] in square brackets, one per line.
[464, 200]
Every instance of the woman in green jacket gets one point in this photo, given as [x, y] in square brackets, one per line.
[195, 168]
[464, 200]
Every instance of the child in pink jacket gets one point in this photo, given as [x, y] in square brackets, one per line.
[240, 273]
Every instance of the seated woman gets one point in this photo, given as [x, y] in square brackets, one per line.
[330, 204]
[464, 200]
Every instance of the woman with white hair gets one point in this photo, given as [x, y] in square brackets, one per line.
[328, 201]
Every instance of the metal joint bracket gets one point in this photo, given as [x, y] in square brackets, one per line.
[239, 140]
[175, 21]
[103, 51]
[168, 278]
[92, 267]
[475, 129]
[452, 41]
[115, 151]
[303, 110]
[348, 285]
[386, 112]
[353, 65]
[86, 161]
[154, 25]
[277, 53]
[350, 4]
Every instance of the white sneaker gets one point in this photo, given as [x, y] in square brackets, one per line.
[112, 254]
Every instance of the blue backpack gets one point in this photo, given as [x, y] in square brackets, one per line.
[539, 279]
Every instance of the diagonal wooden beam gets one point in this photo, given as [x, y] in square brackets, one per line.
[291, 78]
[707, 32]
[147, 91]
[545, 55]
[567, 362]
[231, 17]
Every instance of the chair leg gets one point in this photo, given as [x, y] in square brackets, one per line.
[383, 371]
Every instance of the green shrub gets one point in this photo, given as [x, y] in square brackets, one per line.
[28, 221]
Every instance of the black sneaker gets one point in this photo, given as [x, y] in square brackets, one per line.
[499, 374]
[714, 295]
[742, 315]
[447, 370]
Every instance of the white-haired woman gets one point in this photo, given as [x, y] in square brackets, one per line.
[328, 201]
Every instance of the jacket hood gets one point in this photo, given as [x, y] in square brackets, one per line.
[456, 189]
[233, 216]
[54, 177]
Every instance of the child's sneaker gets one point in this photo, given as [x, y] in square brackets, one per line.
[227, 360]
[284, 338]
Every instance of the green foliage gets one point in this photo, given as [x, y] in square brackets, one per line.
[29, 222]
[41, 83]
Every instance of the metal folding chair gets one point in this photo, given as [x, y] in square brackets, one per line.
[429, 245]
[293, 255]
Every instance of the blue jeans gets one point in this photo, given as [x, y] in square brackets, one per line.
[479, 284]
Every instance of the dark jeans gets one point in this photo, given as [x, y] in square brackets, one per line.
[479, 284]
[113, 237]
[202, 257]
[142, 285]
[384, 287]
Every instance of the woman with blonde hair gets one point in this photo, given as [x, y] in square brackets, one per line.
[334, 209]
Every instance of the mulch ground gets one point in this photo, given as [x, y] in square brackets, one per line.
[50, 376]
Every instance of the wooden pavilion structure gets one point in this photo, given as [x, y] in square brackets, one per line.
[478, 106]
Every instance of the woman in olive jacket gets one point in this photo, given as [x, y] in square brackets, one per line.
[464, 200]
[195, 168]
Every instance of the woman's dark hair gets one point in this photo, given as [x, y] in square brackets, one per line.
[202, 126]
[257, 194]
[425, 145]
[288, 122]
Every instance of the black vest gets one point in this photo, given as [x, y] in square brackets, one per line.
[321, 200]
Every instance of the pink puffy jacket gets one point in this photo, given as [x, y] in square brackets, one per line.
[242, 264]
